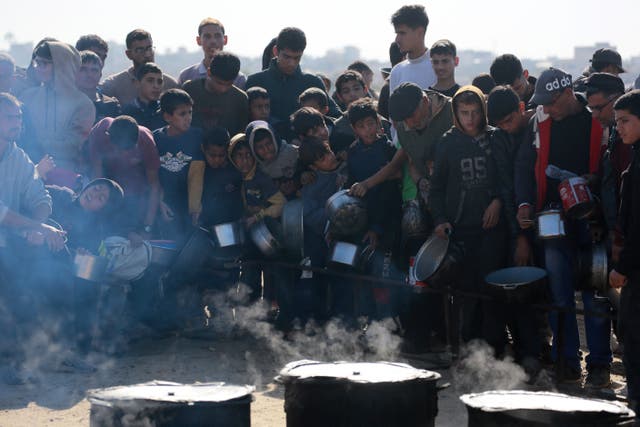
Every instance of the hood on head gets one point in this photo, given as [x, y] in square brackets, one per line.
[66, 63]
[478, 94]
[251, 131]
[237, 139]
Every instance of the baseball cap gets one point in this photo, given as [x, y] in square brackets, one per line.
[550, 82]
[604, 82]
[603, 57]
[404, 100]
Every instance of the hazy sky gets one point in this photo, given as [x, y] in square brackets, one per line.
[532, 29]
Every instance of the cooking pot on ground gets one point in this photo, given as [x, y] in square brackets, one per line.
[90, 267]
[520, 284]
[347, 214]
[550, 224]
[228, 234]
[534, 409]
[293, 228]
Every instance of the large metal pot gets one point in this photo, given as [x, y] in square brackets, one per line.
[266, 235]
[379, 394]
[535, 409]
[521, 284]
[228, 234]
[550, 224]
[167, 404]
[347, 214]
[592, 269]
[293, 228]
[163, 252]
[90, 267]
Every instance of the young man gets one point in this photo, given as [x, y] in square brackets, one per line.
[285, 81]
[568, 137]
[444, 59]
[259, 104]
[146, 107]
[507, 70]
[216, 101]
[603, 61]
[87, 80]
[367, 75]
[140, 50]
[410, 24]
[95, 44]
[626, 273]
[212, 39]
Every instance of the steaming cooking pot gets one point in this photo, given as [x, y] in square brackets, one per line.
[550, 224]
[266, 234]
[90, 267]
[168, 404]
[517, 283]
[592, 269]
[293, 228]
[382, 394]
[576, 197]
[163, 252]
[347, 214]
[228, 234]
[535, 409]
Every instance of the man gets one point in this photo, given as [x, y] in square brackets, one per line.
[140, 50]
[568, 138]
[285, 81]
[410, 24]
[87, 80]
[212, 39]
[95, 44]
[444, 59]
[603, 61]
[507, 70]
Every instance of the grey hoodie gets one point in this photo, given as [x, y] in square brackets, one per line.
[286, 161]
[59, 116]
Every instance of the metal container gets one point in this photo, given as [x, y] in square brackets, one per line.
[347, 214]
[593, 269]
[293, 228]
[345, 254]
[163, 252]
[577, 200]
[430, 257]
[90, 267]
[414, 221]
[535, 409]
[521, 284]
[265, 235]
[228, 234]
[381, 394]
[197, 249]
[167, 404]
[550, 224]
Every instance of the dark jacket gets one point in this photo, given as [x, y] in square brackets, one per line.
[147, 115]
[629, 218]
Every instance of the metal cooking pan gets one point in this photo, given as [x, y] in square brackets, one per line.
[430, 256]
[266, 234]
[517, 283]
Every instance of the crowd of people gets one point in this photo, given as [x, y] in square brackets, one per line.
[145, 156]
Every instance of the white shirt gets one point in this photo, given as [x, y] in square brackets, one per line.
[418, 71]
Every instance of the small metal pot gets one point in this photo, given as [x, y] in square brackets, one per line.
[264, 235]
[228, 234]
[347, 214]
[346, 254]
[592, 269]
[550, 224]
[163, 252]
[90, 267]
[293, 228]
[430, 257]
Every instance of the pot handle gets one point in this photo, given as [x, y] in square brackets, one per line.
[440, 387]
[509, 287]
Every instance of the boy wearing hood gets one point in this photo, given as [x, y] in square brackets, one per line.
[277, 160]
[58, 116]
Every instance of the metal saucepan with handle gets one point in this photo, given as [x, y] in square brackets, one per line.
[550, 224]
[517, 283]
[228, 234]
[430, 256]
[347, 214]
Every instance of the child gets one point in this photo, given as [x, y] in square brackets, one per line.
[178, 146]
[308, 122]
[216, 101]
[278, 160]
[146, 107]
[315, 98]
[626, 274]
[259, 104]
[444, 61]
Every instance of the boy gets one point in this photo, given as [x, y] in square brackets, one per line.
[308, 122]
[146, 107]
[87, 79]
[626, 274]
[216, 101]
[277, 159]
[212, 39]
[259, 103]
[178, 147]
[315, 98]
[350, 86]
[444, 60]
[367, 75]
[507, 70]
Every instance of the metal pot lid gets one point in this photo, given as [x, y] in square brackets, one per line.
[170, 392]
[515, 276]
[357, 372]
[511, 400]
[430, 256]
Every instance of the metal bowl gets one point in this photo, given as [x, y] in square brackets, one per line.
[347, 214]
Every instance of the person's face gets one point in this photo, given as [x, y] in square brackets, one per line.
[212, 40]
[327, 162]
[150, 87]
[180, 119]
[260, 109]
[217, 85]
[601, 107]
[444, 65]
[44, 69]
[520, 85]
[141, 52]
[409, 39]
[88, 76]
[94, 198]
[7, 76]
[628, 126]
[243, 159]
[265, 149]
[288, 60]
[312, 103]
[512, 123]
[420, 117]
[367, 129]
[560, 106]
[10, 122]
[350, 91]
[470, 118]
[215, 155]
[319, 131]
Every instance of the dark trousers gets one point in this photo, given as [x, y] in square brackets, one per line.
[629, 328]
